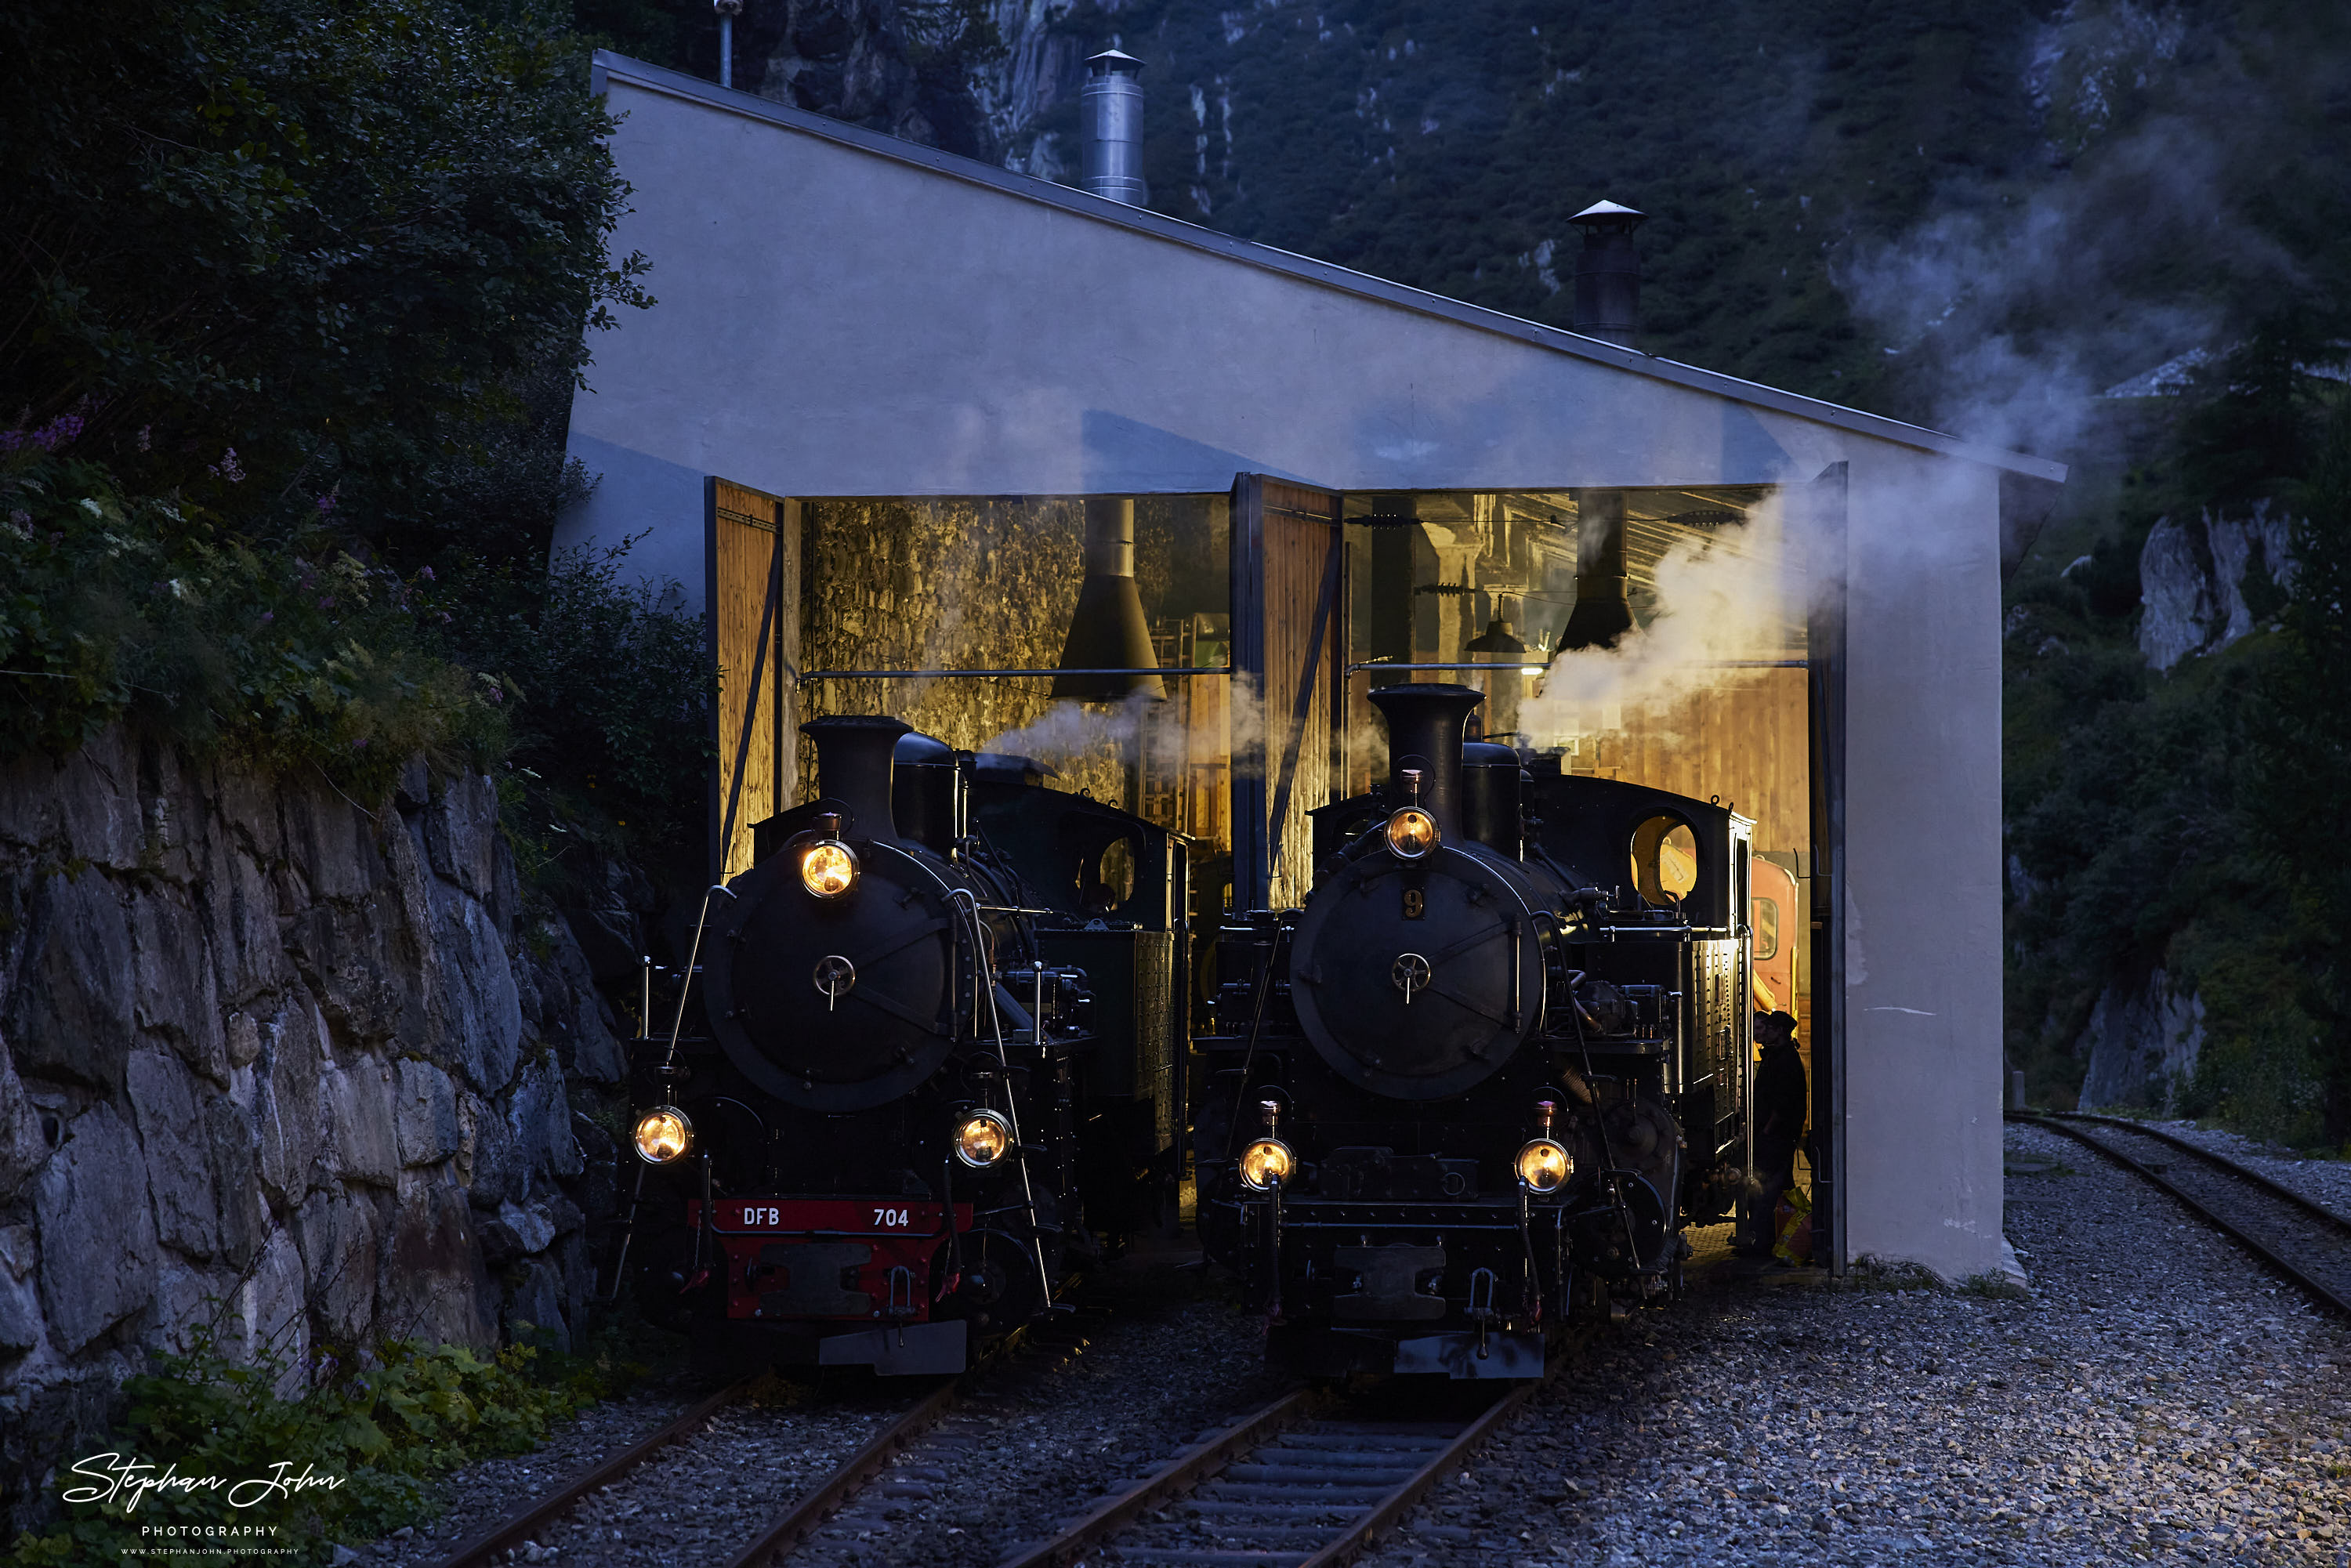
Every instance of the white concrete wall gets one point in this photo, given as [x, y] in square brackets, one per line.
[1922, 916]
[833, 322]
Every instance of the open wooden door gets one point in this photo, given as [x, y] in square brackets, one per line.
[1290, 656]
[753, 583]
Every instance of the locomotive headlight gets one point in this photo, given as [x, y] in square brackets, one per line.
[1544, 1166]
[1266, 1162]
[982, 1139]
[827, 868]
[1412, 832]
[663, 1135]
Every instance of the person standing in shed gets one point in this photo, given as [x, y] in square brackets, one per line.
[1780, 1106]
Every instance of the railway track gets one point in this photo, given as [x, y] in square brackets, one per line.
[2305, 1243]
[1307, 1481]
[544, 1517]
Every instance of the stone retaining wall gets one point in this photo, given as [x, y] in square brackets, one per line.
[275, 1068]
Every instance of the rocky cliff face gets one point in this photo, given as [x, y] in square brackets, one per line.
[275, 1068]
[2207, 581]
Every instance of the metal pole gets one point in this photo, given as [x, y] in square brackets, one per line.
[727, 11]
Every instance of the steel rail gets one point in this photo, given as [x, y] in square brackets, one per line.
[2309, 1206]
[1391, 1507]
[820, 1501]
[1203, 1461]
[2324, 1293]
[517, 1528]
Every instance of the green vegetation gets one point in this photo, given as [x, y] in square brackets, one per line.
[297, 303]
[383, 1427]
[2184, 821]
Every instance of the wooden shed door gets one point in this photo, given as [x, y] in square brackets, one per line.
[754, 594]
[1289, 655]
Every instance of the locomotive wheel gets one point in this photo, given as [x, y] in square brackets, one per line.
[1000, 1289]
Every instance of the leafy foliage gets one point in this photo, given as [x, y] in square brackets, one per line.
[381, 1427]
[2180, 820]
[117, 607]
[609, 736]
[332, 252]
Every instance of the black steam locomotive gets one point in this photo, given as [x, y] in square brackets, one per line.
[1490, 1070]
[940, 1068]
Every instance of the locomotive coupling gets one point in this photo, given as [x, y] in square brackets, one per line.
[663, 1135]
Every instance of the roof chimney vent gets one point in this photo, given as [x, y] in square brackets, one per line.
[1112, 109]
[1608, 273]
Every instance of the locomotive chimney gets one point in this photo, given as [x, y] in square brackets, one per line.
[1110, 107]
[853, 770]
[1608, 273]
[1108, 632]
[1424, 725]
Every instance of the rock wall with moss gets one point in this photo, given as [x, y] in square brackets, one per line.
[277, 1067]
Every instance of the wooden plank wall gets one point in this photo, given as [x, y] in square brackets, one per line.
[1301, 531]
[752, 529]
[1745, 741]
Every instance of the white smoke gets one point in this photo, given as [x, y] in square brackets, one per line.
[1727, 604]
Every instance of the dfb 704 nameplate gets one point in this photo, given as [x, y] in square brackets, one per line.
[811, 1259]
[829, 1216]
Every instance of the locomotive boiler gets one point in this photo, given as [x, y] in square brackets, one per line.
[911, 1116]
[1486, 1073]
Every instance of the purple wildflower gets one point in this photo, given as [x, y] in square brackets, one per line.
[327, 502]
[327, 602]
[361, 744]
[268, 616]
[227, 467]
[146, 437]
[425, 572]
[21, 517]
[496, 695]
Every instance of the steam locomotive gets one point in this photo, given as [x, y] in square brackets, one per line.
[939, 1073]
[1490, 1070]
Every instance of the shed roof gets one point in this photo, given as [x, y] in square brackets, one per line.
[610, 68]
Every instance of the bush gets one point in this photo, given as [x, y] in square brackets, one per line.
[381, 1427]
[127, 608]
[610, 731]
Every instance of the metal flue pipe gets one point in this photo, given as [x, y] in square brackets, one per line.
[727, 11]
[1110, 109]
[1608, 273]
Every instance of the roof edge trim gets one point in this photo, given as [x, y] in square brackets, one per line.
[609, 67]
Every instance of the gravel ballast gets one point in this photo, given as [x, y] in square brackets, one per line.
[1034, 1442]
[2157, 1398]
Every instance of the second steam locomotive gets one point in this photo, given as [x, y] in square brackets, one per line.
[1490, 1070]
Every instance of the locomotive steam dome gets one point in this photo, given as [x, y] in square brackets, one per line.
[1417, 978]
[845, 1001]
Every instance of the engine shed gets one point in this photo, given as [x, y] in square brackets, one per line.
[924, 436]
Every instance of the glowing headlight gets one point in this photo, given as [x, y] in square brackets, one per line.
[1412, 832]
[663, 1134]
[983, 1139]
[1544, 1166]
[827, 868]
[1266, 1162]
